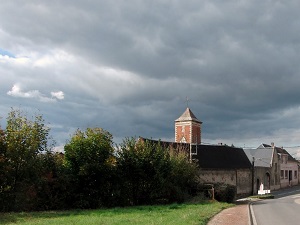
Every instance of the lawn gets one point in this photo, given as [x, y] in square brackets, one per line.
[175, 214]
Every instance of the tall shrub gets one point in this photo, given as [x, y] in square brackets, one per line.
[89, 157]
[151, 173]
[144, 169]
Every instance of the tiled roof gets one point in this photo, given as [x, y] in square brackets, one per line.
[283, 151]
[262, 156]
[167, 144]
[188, 115]
[221, 157]
[264, 153]
[213, 156]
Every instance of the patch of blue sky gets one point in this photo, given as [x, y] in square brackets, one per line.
[7, 53]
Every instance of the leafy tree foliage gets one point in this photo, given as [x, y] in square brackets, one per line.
[3, 169]
[151, 173]
[89, 156]
[183, 177]
[54, 183]
[22, 141]
[91, 173]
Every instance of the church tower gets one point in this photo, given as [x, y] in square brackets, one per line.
[188, 128]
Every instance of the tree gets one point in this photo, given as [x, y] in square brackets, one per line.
[24, 139]
[152, 173]
[54, 183]
[183, 177]
[3, 169]
[144, 168]
[89, 156]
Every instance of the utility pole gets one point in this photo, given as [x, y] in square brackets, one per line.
[190, 151]
[253, 160]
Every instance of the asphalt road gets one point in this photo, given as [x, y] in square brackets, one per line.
[284, 209]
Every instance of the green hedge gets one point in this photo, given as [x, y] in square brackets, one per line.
[225, 192]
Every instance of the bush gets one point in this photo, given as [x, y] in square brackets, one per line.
[225, 192]
[203, 190]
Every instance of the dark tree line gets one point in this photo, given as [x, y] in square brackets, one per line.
[91, 173]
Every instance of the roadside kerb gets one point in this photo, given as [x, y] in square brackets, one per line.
[251, 213]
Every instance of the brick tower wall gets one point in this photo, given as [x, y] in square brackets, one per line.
[191, 131]
[196, 134]
[182, 129]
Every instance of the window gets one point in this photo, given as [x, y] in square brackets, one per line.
[194, 150]
[295, 174]
[282, 174]
[283, 159]
[286, 174]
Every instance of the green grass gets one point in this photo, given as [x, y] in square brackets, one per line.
[266, 196]
[175, 214]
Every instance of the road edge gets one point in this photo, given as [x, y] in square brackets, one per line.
[252, 219]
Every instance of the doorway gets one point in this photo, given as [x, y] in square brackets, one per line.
[290, 177]
[257, 185]
[267, 181]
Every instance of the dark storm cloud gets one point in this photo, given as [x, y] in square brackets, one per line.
[129, 67]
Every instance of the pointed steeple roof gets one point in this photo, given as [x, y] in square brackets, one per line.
[188, 115]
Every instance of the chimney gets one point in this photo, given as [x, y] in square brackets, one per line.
[272, 144]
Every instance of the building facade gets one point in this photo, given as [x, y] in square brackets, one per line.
[266, 168]
[288, 169]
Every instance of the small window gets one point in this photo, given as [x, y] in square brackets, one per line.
[286, 174]
[282, 174]
[284, 159]
[194, 151]
[295, 174]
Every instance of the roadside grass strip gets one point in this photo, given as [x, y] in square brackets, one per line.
[175, 214]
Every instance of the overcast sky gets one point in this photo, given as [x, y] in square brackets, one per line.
[128, 66]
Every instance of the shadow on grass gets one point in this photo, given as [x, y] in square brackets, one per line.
[14, 217]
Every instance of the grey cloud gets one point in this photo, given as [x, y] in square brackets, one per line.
[132, 65]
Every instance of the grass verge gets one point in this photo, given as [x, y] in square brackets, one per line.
[175, 214]
[268, 196]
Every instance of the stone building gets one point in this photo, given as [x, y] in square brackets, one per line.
[246, 169]
[288, 168]
[266, 169]
[217, 163]
[274, 167]
[224, 164]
